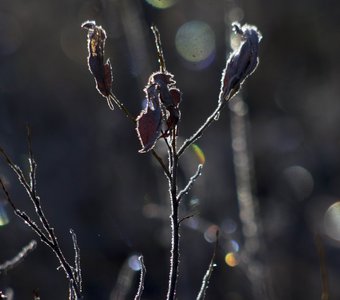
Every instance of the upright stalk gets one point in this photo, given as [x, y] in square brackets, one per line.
[174, 218]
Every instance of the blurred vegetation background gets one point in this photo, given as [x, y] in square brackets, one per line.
[91, 177]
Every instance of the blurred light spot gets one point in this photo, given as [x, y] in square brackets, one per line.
[3, 215]
[199, 153]
[238, 107]
[332, 221]
[234, 40]
[151, 210]
[236, 14]
[251, 245]
[162, 4]
[300, 180]
[192, 223]
[195, 42]
[194, 202]
[229, 226]
[239, 144]
[11, 34]
[210, 233]
[73, 44]
[255, 268]
[249, 226]
[134, 263]
[235, 247]
[231, 259]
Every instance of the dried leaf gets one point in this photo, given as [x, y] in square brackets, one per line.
[102, 72]
[149, 121]
[242, 62]
[163, 99]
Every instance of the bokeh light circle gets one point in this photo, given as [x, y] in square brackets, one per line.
[195, 41]
[134, 263]
[161, 4]
[210, 233]
[300, 181]
[236, 14]
[4, 220]
[332, 221]
[231, 259]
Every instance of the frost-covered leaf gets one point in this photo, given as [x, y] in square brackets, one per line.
[149, 121]
[102, 72]
[242, 62]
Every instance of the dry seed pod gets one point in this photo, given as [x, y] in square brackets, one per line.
[102, 72]
[242, 62]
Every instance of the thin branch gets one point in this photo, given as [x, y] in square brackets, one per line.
[175, 235]
[213, 117]
[32, 163]
[161, 162]
[206, 278]
[141, 279]
[185, 218]
[10, 264]
[122, 107]
[161, 59]
[49, 238]
[190, 182]
[25, 217]
[76, 259]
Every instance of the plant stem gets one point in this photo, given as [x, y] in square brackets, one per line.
[174, 219]
[213, 117]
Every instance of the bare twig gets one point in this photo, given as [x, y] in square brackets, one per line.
[25, 217]
[77, 268]
[122, 107]
[141, 279]
[190, 182]
[46, 234]
[161, 59]
[206, 278]
[213, 117]
[186, 218]
[10, 264]
[161, 162]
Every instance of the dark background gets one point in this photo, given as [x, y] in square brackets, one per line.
[91, 177]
